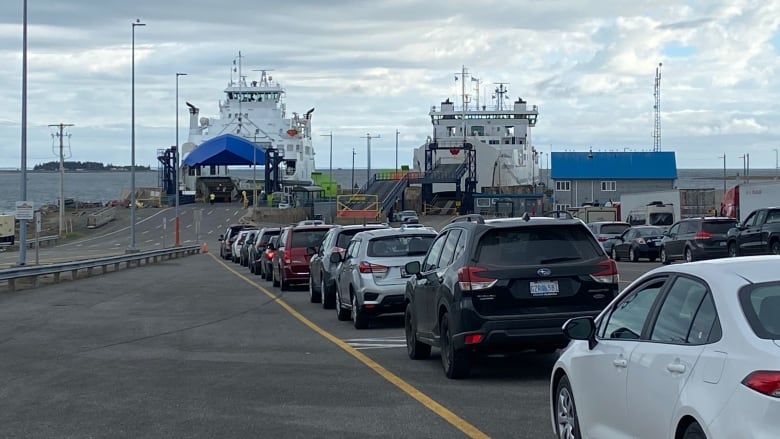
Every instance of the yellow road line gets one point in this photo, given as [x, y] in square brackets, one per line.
[455, 420]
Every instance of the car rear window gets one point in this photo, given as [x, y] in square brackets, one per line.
[614, 229]
[650, 231]
[307, 238]
[721, 227]
[346, 236]
[761, 306]
[399, 246]
[536, 245]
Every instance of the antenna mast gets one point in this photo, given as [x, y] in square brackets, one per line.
[657, 108]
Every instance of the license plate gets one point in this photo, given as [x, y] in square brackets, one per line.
[544, 288]
[722, 244]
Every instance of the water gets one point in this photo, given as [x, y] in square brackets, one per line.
[44, 187]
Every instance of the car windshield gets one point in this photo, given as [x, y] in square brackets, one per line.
[721, 227]
[536, 245]
[307, 238]
[661, 218]
[399, 246]
[613, 229]
[650, 231]
[761, 306]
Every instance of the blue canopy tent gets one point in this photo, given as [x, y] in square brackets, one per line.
[225, 150]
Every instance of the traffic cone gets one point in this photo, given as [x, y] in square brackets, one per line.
[204, 248]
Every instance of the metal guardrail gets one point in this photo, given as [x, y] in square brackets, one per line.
[35, 272]
[43, 239]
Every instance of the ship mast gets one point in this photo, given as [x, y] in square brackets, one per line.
[464, 98]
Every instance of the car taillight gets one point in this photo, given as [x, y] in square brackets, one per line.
[602, 238]
[367, 267]
[473, 338]
[270, 255]
[702, 235]
[764, 381]
[471, 279]
[609, 273]
[287, 257]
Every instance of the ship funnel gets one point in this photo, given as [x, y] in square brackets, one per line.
[193, 116]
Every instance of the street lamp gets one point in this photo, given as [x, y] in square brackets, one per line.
[23, 184]
[330, 165]
[352, 188]
[176, 151]
[132, 248]
[724, 171]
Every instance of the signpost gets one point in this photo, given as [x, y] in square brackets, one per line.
[25, 210]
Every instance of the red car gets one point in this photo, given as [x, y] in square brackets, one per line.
[295, 248]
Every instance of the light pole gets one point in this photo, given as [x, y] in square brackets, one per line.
[776, 167]
[132, 248]
[176, 151]
[352, 187]
[23, 189]
[368, 155]
[396, 149]
[724, 171]
[330, 164]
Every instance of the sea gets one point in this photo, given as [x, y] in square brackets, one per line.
[43, 188]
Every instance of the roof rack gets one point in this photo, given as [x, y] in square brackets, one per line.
[472, 218]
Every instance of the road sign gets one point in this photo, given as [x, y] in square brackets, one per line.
[25, 210]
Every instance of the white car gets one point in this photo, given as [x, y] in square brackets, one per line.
[235, 250]
[686, 351]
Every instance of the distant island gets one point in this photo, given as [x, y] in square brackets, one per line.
[86, 167]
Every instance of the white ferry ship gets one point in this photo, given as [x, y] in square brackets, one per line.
[254, 110]
[501, 157]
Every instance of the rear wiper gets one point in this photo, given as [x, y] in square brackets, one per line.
[553, 260]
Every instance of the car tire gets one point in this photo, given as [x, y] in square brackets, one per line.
[328, 294]
[733, 251]
[314, 296]
[284, 285]
[269, 275]
[664, 257]
[416, 349]
[614, 254]
[359, 317]
[567, 424]
[274, 281]
[342, 314]
[456, 363]
[694, 431]
[632, 256]
[688, 255]
[251, 268]
[774, 247]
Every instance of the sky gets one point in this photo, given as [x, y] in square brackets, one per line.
[377, 67]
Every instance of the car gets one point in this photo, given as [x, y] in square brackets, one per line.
[638, 242]
[322, 285]
[370, 278]
[257, 251]
[315, 222]
[416, 226]
[502, 286]
[243, 251]
[693, 239]
[235, 250]
[407, 217]
[685, 351]
[266, 263]
[607, 231]
[226, 239]
[296, 245]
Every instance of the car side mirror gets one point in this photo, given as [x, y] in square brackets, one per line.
[221, 238]
[335, 258]
[581, 328]
[270, 246]
[311, 250]
[413, 267]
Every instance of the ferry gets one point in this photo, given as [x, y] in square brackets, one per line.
[254, 110]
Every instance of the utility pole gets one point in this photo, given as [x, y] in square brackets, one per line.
[61, 134]
[330, 163]
[368, 138]
[352, 187]
[396, 150]
[176, 240]
[23, 189]
[724, 171]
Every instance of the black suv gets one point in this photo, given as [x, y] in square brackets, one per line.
[503, 285]
[693, 239]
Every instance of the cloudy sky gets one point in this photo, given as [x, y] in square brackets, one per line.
[378, 66]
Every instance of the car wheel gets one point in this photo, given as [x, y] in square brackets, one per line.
[314, 296]
[694, 431]
[688, 255]
[274, 281]
[664, 257]
[341, 313]
[414, 348]
[567, 426]
[456, 363]
[284, 285]
[774, 247]
[733, 252]
[632, 256]
[328, 294]
[359, 317]
[614, 254]
[251, 268]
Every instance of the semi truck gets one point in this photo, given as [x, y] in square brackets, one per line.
[742, 199]
[7, 230]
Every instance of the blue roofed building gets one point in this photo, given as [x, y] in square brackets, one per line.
[597, 177]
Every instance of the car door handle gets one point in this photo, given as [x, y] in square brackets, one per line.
[676, 367]
[620, 362]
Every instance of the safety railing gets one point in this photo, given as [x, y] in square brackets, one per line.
[34, 273]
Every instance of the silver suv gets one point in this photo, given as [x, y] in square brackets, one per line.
[370, 278]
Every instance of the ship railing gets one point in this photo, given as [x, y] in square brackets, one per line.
[89, 267]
